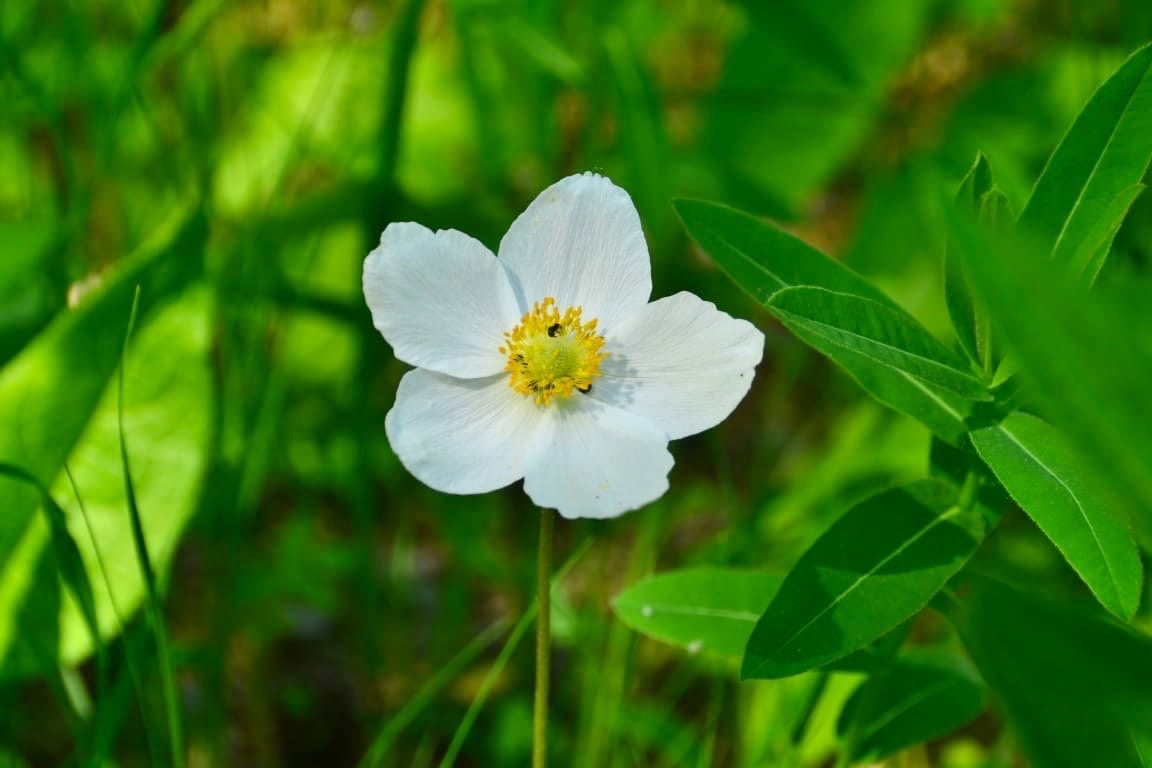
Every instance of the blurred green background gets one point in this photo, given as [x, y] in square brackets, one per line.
[314, 589]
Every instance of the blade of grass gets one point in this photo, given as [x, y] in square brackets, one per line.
[462, 730]
[490, 679]
[387, 734]
[110, 712]
[396, 86]
[608, 676]
[155, 618]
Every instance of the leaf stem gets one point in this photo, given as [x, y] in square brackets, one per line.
[543, 640]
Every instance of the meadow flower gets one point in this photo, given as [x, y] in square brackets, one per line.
[547, 362]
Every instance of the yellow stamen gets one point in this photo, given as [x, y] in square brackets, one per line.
[550, 354]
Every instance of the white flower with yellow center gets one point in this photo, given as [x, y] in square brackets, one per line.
[547, 363]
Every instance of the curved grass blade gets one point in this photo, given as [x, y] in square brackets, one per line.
[108, 716]
[144, 560]
[386, 736]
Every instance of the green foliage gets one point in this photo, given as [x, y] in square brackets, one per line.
[860, 580]
[1083, 355]
[1049, 480]
[167, 384]
[885, 559]
[764, 260]
[831, 322]
[920, 697]
[73, 360]
[1076, 686]
[1094, 175]
[708, 610]
[235, 161]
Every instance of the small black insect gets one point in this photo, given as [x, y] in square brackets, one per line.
[554, 329]
[585, 389]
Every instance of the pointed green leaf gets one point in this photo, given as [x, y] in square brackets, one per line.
[1097, 243]
[957, 292]
[921, 697]
[1083, 356]
[941, 411]
[832, 322]
[762, 259]
[876, 566]
[698, 609]
[969, 318]
[1104, 153]
[1048, 479]
[1075, 686]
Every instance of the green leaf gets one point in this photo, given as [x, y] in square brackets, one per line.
[969, 318]
[879, 564]
[1103, 155]
[878, 654]
[698, 609]
[1076, 686]
[832, 322]
[69, 561]
[1083, 357]
[921, 697]
[941, 411]
[1097, 242]
[762, 260]
[1048, 479]
[957, 293]
[48, 397]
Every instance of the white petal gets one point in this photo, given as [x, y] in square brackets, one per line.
[680, 363]
[580, 241]
[461, 435]
[593, 460]
[441, 299]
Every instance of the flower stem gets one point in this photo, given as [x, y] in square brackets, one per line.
[543, 640]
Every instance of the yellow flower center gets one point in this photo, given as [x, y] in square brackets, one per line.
[550, 354]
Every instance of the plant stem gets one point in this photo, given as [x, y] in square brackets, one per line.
[543, 641]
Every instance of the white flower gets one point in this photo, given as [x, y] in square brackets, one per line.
[547, 363]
